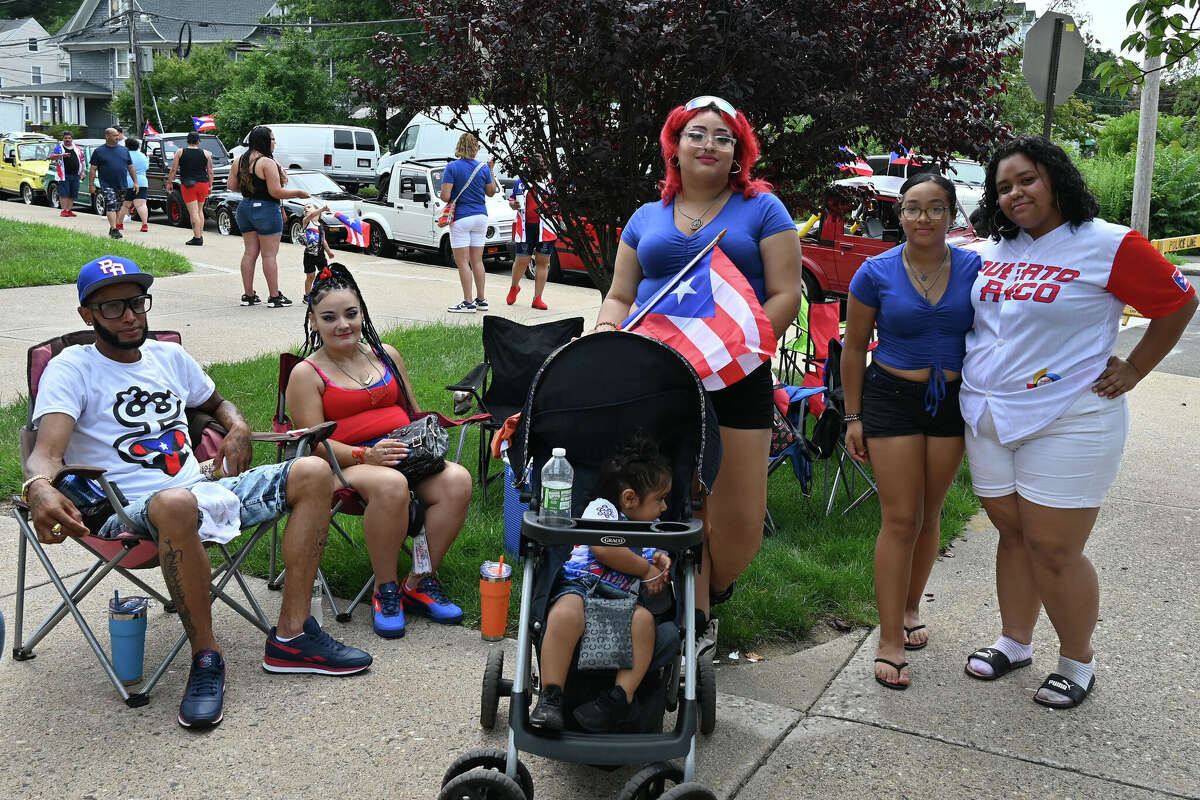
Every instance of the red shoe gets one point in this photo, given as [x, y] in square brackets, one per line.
[70, 214]
[65, 214]
[539, 304]
[512, 294]
[120, 226]
[145, 227]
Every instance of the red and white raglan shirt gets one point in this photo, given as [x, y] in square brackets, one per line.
[529, 225]
[1047, 314]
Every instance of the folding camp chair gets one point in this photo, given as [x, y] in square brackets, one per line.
[512, 355]
[846, 469]
[129, 551]
[789, 440]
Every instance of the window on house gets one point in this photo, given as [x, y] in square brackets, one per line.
[66, 72]
[45, 107]
[33, 44]
[35, 75]
[117, 6]
[122, 56]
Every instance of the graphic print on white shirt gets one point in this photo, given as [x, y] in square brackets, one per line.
[158, 429]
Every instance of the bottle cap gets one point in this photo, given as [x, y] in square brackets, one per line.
[559, 452]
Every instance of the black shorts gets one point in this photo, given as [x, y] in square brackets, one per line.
[313, 263]
[747, 404]
[893, 406]
[142, 193]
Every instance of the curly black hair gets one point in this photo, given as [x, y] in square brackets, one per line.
[1076, 203]
[637, 464]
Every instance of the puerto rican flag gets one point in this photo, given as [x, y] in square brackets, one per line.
[529, 225]
[149, 130]
[902, 155]
[853, 163]
[709, 313]
[205, 123]
[358, 233]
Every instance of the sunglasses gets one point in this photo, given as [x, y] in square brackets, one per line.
[704, 101]
[115, 309]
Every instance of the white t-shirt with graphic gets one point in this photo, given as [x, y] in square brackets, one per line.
[129, 418]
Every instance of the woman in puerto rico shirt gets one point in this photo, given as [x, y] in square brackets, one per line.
[1043, 395]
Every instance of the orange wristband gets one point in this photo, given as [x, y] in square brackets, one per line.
[359, 454]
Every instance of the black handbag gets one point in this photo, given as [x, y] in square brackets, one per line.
[427, 444]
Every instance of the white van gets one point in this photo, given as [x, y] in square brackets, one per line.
[346, 154]
[426, 137]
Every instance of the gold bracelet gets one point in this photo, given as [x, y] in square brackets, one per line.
[612, 325]
[25, 486]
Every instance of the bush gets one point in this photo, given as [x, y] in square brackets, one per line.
[1174, 194]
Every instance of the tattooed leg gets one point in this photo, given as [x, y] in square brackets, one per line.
[309, 491]
[185, 566]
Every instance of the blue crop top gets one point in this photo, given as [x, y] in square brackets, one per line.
[662, 250]
[912, 333]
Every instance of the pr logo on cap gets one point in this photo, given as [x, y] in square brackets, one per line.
[110, 267]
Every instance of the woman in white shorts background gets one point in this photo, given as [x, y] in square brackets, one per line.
[468, 184]
[1043, 396]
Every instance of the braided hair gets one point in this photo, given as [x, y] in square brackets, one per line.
[336, 277]
[637, 464]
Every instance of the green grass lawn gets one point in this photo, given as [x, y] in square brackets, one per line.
[813, 568]
[41, 255]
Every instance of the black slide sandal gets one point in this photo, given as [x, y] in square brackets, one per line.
[997, 660]
[1064, 686]
[900, 687]
[907, 631]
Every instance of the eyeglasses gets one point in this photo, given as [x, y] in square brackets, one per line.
[719, 141]
[913, 213]
[706, 100]
[115, 309]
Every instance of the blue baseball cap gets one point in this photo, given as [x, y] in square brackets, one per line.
[109, 269]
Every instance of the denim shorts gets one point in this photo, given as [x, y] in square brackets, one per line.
[260, 216]
[529, 248]
[68, 187]
[262, 490]
[893, 406]
[583, 586]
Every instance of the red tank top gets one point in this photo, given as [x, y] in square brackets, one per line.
[363, 415]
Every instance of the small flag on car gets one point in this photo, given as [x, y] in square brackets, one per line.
[149, 130]
[358, 233]
[902, 154]
[853, 163]
[205, 123]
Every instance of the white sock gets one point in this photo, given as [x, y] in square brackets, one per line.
[1010, 647]
[279, 638]
[1076, 671]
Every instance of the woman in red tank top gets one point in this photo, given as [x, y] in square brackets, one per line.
[354, 379]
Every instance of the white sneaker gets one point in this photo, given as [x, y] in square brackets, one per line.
[706, 645]
[462, 308]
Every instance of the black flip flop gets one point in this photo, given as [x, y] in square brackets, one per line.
[1064, 686]
[997, 660]
[900, 687]
[907, 631]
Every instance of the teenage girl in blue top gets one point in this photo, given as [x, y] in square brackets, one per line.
[902, 411]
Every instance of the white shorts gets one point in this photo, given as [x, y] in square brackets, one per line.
[1071, 463]
[469, 231]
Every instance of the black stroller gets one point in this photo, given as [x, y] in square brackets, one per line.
[585, 397]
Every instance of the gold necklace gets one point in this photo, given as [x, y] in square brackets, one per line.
[363, 383]
[698, 222]
[921, 279]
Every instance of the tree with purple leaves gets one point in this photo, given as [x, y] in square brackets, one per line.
[577, 92]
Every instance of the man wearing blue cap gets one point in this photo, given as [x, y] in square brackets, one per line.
[119, 404]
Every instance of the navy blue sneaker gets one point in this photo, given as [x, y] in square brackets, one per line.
[428, 598]
[313, 651]
[201, 705]
[389, 611]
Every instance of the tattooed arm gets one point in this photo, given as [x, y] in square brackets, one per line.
[235, 449]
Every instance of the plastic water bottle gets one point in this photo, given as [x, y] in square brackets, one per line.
[314, 608]
[557, 478]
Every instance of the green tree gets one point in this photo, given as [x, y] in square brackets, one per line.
[51, 14]
[182, 88]
[1170, 28]
[1187, 98]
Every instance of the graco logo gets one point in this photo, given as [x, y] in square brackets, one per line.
[612, 540]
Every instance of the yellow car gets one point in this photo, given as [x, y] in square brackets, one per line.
[24, 160]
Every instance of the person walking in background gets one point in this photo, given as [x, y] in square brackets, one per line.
[902, 411]
[533, 238]
[194, 166]
[136, 196]
[68, 171]
[1043, 395]
[260, 179]
[112, 164]
[467, 183]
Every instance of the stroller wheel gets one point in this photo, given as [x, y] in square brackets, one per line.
[652, 782]
[706, 693]
[689, 791]
[490, 759]
[482, 784]
[489, 699]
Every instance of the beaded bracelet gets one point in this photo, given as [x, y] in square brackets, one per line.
[612, 325]
[852, 417]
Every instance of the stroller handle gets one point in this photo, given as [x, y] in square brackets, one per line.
[670, 536]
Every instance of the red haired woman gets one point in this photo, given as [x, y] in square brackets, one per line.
[708, 149]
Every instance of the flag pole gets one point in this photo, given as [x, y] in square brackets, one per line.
[669, 285]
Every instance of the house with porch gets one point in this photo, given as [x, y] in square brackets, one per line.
[28, 57]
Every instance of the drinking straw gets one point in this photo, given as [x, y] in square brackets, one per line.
[500, 567]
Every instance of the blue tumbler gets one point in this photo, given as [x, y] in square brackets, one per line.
[127, 632]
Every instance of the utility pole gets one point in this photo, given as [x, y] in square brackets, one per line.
[136, 72]
[1143, 171]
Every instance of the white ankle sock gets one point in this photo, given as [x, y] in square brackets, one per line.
[1076, 671]
[1010, 647]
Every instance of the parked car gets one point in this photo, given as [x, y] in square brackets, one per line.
[87, 192]
[160, 149]
[24, 161]
[346, 154]
[222, 207]
[968, 176]
[844, 237]
[405, 215]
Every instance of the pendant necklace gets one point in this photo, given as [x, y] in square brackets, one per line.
[370, 390]
[698, 222]
[923, 277]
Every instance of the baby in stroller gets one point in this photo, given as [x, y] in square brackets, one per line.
[633, 484]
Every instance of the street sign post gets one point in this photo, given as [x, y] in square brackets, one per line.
[1053, 61]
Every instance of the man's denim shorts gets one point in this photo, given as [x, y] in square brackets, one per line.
[68, 187]
[262, 490]
[260, 216]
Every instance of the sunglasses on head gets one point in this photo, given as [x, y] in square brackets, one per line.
[704, 101]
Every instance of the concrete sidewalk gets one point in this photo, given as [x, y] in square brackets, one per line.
[810, 724]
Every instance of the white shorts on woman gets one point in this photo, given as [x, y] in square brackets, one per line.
[1071, 463]
[469, 231]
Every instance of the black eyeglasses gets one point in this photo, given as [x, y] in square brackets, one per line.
[115, 309]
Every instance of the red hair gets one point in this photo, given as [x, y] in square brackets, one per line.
[744, 154]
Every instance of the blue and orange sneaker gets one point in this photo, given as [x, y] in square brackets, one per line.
[313, 651]
[428, 598]
[205, 693]
[389, 611]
